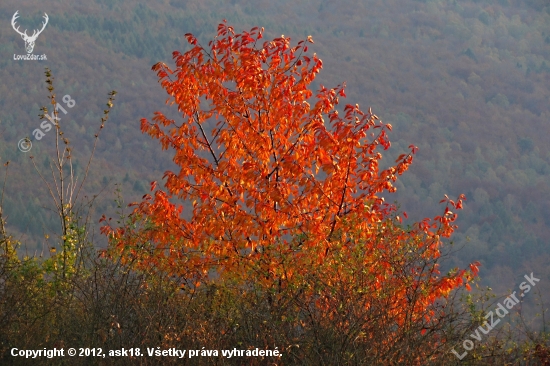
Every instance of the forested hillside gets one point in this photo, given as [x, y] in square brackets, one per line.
[466, 81]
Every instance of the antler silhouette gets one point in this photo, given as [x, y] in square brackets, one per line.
[29, 40]
[15, 16]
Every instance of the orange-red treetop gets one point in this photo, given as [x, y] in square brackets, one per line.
[268, 166]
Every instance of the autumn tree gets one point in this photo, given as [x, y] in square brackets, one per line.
[284, 190]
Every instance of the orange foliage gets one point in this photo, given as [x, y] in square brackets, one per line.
[283, 186]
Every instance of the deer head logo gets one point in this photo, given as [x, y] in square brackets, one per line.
[29, 40]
